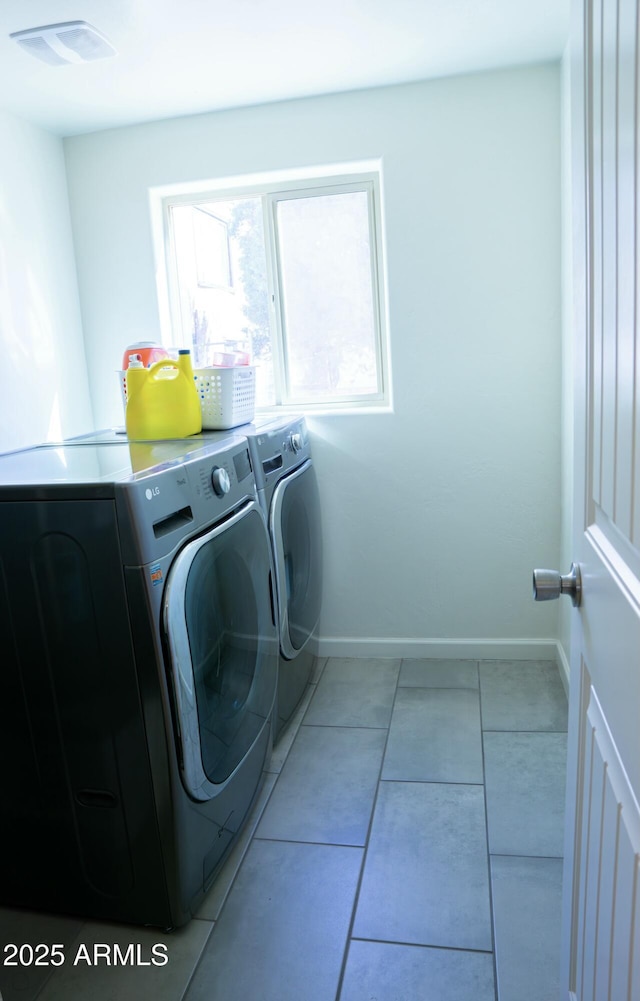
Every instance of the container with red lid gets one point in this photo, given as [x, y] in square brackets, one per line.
[149, 352]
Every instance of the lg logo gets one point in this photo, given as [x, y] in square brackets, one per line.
[151, 492]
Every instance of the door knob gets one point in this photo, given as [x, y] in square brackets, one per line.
[549, 584]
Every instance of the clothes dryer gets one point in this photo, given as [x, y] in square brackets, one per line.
[288, 492]
[138, 676]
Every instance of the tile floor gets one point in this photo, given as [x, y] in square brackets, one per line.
[406, 846]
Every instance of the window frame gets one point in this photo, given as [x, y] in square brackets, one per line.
[273, 189]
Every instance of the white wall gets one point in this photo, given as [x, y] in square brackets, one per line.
[43, 383]
[436, 514]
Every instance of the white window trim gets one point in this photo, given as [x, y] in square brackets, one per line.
[273, 188]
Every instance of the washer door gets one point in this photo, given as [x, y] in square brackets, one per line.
[220, 632]
[297, 541]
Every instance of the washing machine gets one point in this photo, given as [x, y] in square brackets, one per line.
[138, 675]
[288, 492]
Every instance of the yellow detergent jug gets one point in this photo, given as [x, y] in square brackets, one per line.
[162, 400]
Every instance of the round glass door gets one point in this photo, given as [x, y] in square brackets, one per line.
[222, 641]
[296, 526]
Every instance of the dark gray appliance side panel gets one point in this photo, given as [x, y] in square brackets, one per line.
[70, 703]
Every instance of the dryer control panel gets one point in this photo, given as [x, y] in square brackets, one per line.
[278, 447]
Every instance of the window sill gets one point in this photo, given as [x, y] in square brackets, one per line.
[318, 410]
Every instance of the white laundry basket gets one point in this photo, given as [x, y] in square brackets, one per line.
[227, 396]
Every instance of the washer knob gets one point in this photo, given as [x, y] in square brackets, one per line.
[296, 441]
[220, 481]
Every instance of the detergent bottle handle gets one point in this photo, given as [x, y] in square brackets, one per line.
[154, 369]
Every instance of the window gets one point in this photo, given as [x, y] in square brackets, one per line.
[290, 273]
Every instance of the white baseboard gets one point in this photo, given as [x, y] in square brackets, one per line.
[450, 649]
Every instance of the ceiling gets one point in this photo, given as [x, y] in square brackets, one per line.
[179, 57]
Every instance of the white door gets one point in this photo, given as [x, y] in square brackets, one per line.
[601, 953]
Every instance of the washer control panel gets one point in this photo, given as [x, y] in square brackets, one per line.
[172, 504]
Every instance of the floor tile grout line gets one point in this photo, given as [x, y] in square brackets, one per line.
[431, 782]
[486, 824]
[420, 945]
[439, 660]
[551, 858]
[489, 730]
[315, 674]
[440, 688]
[338, 726]
[300, 841]
[350, 726]
[356, 898]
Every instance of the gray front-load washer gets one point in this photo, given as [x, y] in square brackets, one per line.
[138, 674]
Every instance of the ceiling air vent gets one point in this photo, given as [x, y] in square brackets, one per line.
[70, 42]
